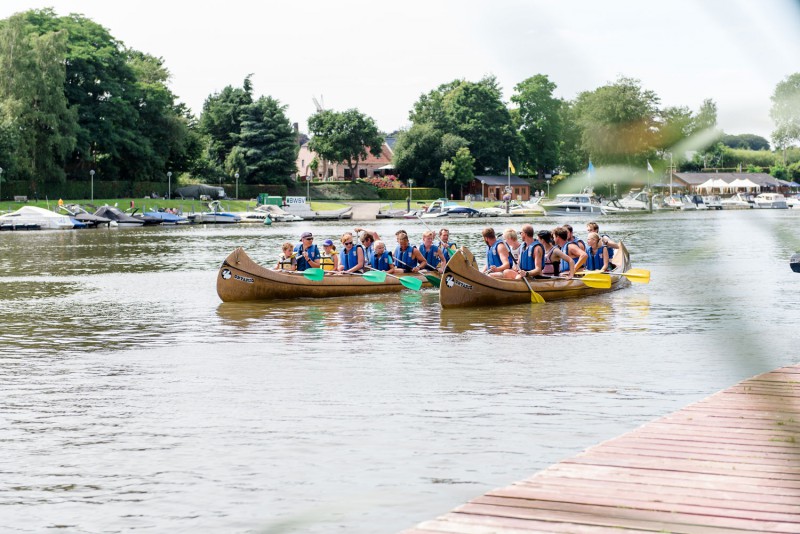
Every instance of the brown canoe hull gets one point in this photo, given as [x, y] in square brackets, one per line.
[241, 279]
[464, 285]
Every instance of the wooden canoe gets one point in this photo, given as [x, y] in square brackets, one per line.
[241, 279]
[464, 285]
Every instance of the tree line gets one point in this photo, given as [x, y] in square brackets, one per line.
[74, 99]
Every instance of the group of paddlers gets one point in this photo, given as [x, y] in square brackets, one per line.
[513, 255]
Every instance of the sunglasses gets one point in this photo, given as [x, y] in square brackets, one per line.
[348, 243]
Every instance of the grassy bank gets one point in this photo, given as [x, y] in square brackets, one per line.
[147, 204]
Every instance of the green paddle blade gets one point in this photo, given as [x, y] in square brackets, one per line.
[434, 280]
[375, 276]
[411, 283]
[315, 274]
[640, 276]
[597, 280]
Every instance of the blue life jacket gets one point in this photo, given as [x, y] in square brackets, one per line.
[565, 250]
[595, 260]
[445, 247]
[405, 259]
[313, 254]
[382, 262]
[527, 256]
[493, 257]
[430, 254]
[350, 259]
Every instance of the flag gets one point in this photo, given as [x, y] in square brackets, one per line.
[650, 167]
[511, 167]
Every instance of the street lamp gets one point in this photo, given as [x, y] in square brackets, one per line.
[1, 183]
[91, 174]
[410, 193]
[548, 188]
[169, 184]
[237, 185]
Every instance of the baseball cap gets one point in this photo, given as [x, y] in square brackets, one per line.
[305, 235]
[327, 242]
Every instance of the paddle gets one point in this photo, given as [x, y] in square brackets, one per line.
[536, 298]
[414, 284]
[639, 276]
[434, 280]
[315, 274]
[595, 279]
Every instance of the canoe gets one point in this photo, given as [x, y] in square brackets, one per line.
[464, 285]
[241, 279]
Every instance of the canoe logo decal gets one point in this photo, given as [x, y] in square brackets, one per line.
[226, 274]
[243, 279]
[451, 281]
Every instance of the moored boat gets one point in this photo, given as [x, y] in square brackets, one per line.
[771, 201]
[573, 204]
[242, 279]
[464, 285]
[35, 218]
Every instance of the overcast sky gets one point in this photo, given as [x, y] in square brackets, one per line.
[381, 56]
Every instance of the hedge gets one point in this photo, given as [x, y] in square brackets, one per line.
[422, 193]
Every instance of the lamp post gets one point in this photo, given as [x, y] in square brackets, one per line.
[410, 193]
[548, 188]
[169, 184]
[1, 183]
[237, 185]
[91, 174]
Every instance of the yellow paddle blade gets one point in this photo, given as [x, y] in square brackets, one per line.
[640, 276]
[597, 280]
[536, 298]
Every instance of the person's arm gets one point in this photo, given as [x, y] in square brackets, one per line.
[503, 252]
[421, 261]
[558, 253]
[335, 257]
[581, 256]
[606, 266]
[607, 242]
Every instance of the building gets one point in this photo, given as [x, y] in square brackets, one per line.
[333, 171]
[765, 182]
[494, 187]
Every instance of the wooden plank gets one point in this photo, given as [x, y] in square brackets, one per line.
[729, 463]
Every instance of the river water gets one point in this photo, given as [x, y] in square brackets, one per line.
[134, 400]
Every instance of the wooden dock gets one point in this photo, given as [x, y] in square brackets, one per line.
[727, 464]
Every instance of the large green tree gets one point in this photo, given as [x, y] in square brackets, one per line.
[221, 119]
[344, 137]
[619, 122]
[473, 111]
[785, 112]
[420, 151]
[267, 142]
[37, 124]
[539, 124]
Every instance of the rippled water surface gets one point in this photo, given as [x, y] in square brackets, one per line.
[134, 400]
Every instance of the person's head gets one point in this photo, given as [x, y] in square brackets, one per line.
[347, 241]
[328, 245]
[593, 240]
[427, 237]
[569, 230]
[287, 248]
[545, 236]
[365, 238]
[489, 236]
[307, 239]
[560, 234]
[509, 234]
[402, 237]
[380, 247]
[526, 232]
[592, 227]
[444, 235]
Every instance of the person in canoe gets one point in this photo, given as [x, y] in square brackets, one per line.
[553, 256]
[307, 252]
[572, 239]
[287, 261]
[407, 257]
[434, 258]
[381, 260]
[599, 259]
[604, 239]
[498, 258]
[571, 249]
[367, 239]
[329, 259]
[511, 239]
[445, 245]
[531, 256]
[353, 258]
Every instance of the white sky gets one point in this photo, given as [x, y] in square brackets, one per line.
[380, 56]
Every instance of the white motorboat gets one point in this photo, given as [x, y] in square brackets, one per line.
[739, 201]
[573, 204]
[771, 201]
[635, 200]
[793, 201]
[35, 218]
[693, 202]
[260, 214]
[713, 202]
[530, 208]
[442, 207]
[215, 215]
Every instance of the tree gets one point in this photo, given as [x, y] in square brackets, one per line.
[475, 112]
[785, 112]
[221, 119]
[539, 123]
[38, 125]
[459, 169]
[747, 141]
[267, 142]
[618, 122]
[344, 137]
[420, 151]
